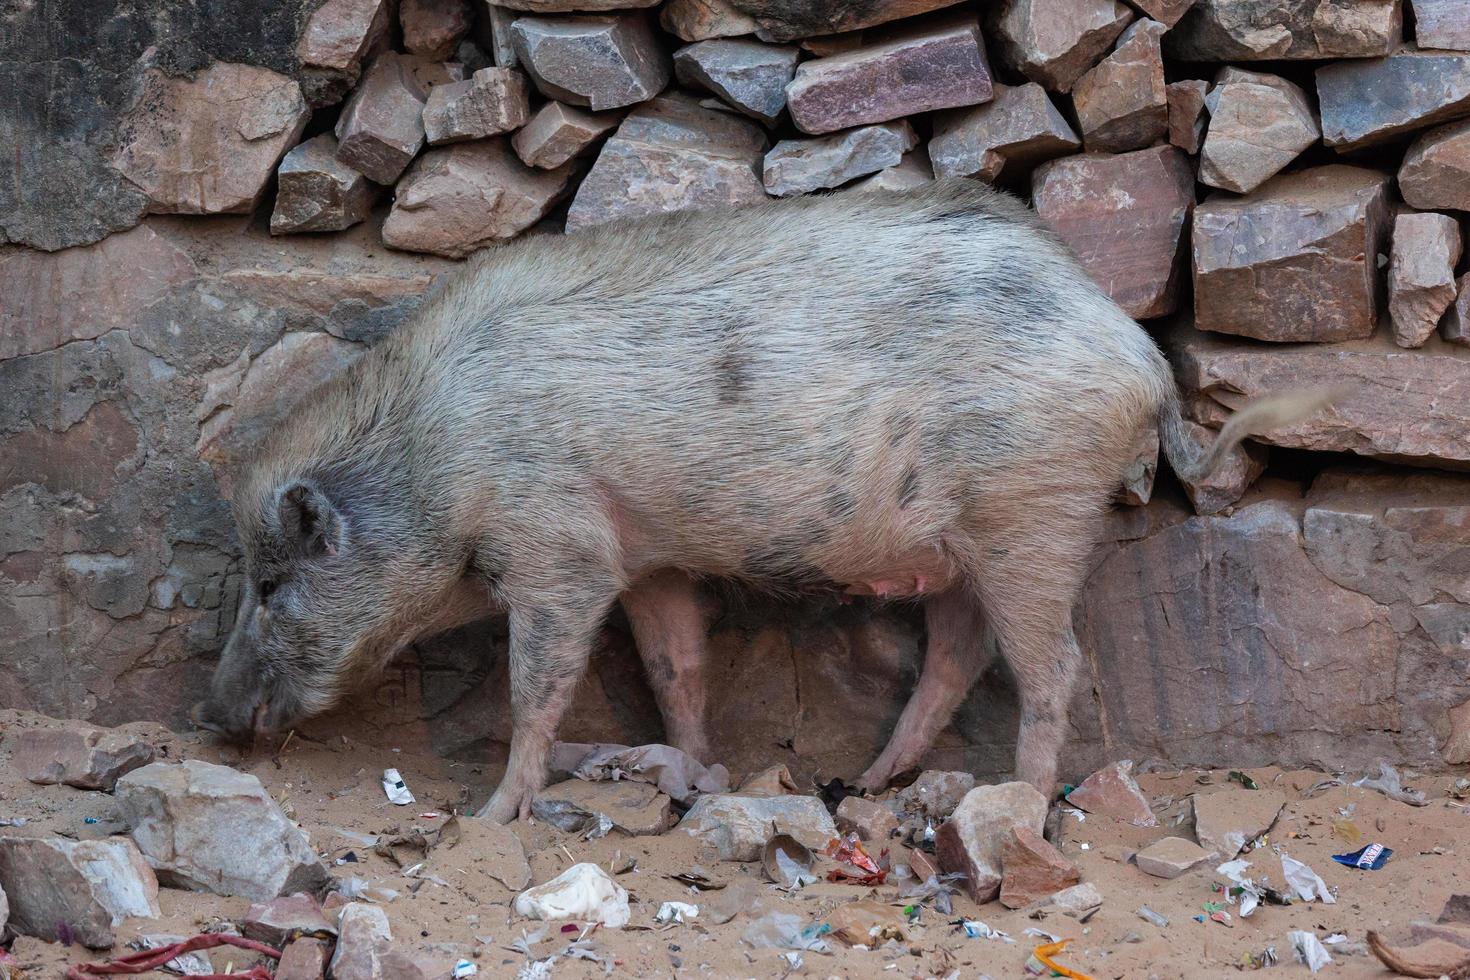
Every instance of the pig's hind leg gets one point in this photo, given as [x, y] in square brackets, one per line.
[954, 658]
[549, 648]
[669, 620]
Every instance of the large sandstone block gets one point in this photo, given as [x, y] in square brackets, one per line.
[1325, 608]
[700, 20]
[1400, 405]
[64, 890]
[208, 144]
[1436, 169]
[434, 28]
[973, 839]
[1421, 274]
[78, 755]
[1265, 30]
[381, 128]
[1017, 129]
[1122, 103]
[749, 76]
[1258, 124]
[1442, 24]
[211, 828]
[459, 198]
[1428, 87]
[603, 62]
[1125, 216]
[1296, 260]
[1186, 113]
[922, 68]
[672, 155]
[1054, 41]
[799, 166]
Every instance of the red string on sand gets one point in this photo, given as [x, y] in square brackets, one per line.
[152, 959]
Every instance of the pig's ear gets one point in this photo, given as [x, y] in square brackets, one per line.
[310, 522]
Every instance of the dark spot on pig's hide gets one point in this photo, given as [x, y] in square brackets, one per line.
[840, 504]
[909, 488]
[732, 375]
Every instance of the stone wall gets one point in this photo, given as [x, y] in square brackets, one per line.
[213, 208]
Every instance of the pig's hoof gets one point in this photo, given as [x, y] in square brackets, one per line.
[507, 806]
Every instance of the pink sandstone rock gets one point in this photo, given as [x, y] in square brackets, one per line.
[79, 755]
[1296, 260]
[1032, 869]
[1186, 113]
[1231, 478]
[1126, 217]
[493, 101]
[459, 198]
[381, 128]
[602, 62]
[749, 76]
[1122, 103]
[1456, 325]
[700, 20]
[317, 192]
[869, 819]
[1421, 274]
[1443, 24]
[558, 133]
[800, 166]
[1436, 169]
[208, 145]
[1054, 41]
[1017, 129]
[1250, 30]
[788, 20]
[434, 28]
[1258, 124]
[921, 68]
[973, 839]
[338, 38]
[910, 172]
[1112, 792]
[1428, 87]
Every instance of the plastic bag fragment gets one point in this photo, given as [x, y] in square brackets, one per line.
[1309, 950]
[1305, 883]
[1391, 784]
[583, 892]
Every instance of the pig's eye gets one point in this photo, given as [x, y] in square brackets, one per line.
[266, 589]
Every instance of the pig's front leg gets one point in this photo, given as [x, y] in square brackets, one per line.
[548, 651]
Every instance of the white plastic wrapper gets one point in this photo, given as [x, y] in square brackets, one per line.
[582, 893]
[676, 912]
[465, 968]
[1305, 883]
[396, 788]
[1309, 950]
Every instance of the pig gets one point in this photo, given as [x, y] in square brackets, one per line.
[914, 395]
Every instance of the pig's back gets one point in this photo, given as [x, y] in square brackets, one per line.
[798, 368]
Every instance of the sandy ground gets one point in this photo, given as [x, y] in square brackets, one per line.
[331, 786]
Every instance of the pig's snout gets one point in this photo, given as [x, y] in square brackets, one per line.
[237, 721]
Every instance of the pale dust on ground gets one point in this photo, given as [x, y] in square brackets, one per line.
[332, 785]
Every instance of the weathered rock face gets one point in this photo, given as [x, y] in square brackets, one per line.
[1253, 597]
[211, 828]
[1125, 216]
[460, 198]
[558, 133]
[1017, 129]
[208, 145]
[919, 69]
[1421, 274]
[1122, 103]
[798, 166]
[282, 919]
[1258, 124]
[1260, 30]
[973, 840]
[491, 102]
[382, 127]
[1429, 87]
[600, 62]
[1186, 113]
[1112, 792]
[79, 755]
[1436, 169]
[84, 887]
[1456, 325]
[1442, 24]
[739, 826]
[1296, 260]
[1400, 405]
[1231, 478]
[1053, 43]
[671, 155]
[317, 192]
[749, 76]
